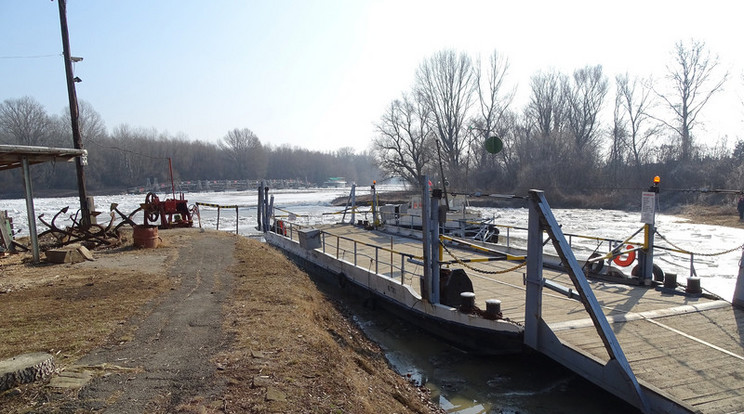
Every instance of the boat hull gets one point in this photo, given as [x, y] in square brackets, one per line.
[470, 333]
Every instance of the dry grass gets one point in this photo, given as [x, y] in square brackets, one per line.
[68, 309]
[291, 339]
[722, 215]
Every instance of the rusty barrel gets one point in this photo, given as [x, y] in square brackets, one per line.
[146, 236]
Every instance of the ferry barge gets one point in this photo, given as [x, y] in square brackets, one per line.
[682, 352]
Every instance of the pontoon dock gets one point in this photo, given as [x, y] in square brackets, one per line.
[666, 352]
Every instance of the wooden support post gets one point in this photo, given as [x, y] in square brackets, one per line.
[5, 232]
[77, 139]
[30, 209]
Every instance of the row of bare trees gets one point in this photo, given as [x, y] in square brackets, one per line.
[568, 136]
[127, 157]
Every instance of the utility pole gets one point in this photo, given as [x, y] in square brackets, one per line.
[74, 114]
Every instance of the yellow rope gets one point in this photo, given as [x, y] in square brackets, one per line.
[487, 272]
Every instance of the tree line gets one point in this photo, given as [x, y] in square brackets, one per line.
[128, 157]
[562, 140]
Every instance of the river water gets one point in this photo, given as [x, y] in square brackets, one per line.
[462, 383]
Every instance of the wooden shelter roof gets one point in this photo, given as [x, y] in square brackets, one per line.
[11, 155]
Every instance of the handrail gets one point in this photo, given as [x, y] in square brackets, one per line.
[613, 244]
[336, 249]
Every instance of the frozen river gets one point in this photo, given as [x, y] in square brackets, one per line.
[718, 272]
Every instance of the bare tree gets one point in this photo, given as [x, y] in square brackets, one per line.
[547, 107]
[634, 101]
[445, 83]
[585, 97]
[694, 80]
[402, 146]
[91, 124]
[618, 137]
[493, 101]
[24, 121]
[245, 151]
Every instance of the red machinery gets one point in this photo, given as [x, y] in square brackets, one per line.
[171, 212]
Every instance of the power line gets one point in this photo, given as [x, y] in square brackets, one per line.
[31, 56]
[94, 142]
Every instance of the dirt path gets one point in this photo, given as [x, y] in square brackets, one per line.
[173, 342]
[207, 323]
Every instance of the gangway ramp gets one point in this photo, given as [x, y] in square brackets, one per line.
[686, 352]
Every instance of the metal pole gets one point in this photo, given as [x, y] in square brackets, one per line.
[266, 211]
[426, 234]
[392, 258]
[436, 195]
[30, 209]
[648, 217]
[533, 299]
[739, 291]
[353, 204]
[374, 205]
[441, 171]
[270, 212]
[74, 114]
[173, 185]
[259, 218]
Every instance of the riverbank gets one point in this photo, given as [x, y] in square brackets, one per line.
[208, 322]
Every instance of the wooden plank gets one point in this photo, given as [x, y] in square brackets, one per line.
[689, 351]
[5, 236]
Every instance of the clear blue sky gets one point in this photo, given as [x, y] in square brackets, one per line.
[319, 74]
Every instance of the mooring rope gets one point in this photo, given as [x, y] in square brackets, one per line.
[486, 272]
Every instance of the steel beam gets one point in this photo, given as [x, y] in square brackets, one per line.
[618, 372]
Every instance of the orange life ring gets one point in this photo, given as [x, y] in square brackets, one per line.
[627, 259]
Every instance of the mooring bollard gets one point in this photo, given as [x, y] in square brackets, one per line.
[693, 286]
[467, 302]
[670, 281]
[493, 309]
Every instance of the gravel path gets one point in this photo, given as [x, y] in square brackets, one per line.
[167, 362]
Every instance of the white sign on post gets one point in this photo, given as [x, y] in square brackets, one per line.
[648, 207]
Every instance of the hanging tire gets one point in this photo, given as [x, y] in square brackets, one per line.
[595, 267]
[342, 280]
[658, 273]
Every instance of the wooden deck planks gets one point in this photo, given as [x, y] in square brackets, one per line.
[684, 355]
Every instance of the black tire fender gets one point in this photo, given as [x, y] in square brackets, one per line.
[595, 267]
[342, 280]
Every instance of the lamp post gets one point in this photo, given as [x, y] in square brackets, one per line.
[74, 114]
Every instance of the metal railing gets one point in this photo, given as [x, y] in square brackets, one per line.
[611, 244]
[384, 261]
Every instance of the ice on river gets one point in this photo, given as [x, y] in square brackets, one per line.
[718, 272]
